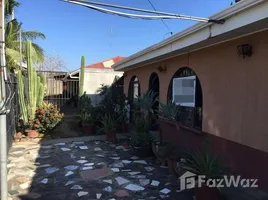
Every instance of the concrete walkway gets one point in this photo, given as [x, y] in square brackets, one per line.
[82, 169]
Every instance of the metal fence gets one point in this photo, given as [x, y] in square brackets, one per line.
[61, 89]
[13, 108]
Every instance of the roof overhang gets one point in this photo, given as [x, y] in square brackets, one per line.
[244, 18]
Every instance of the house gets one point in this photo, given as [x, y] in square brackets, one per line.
[100, 73]
[218, 74]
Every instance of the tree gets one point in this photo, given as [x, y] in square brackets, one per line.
[12, 37]
[51, 63]
[10, 5]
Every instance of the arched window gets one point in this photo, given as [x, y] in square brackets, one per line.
[133, 92]
[186, 91]
[154, 87]
[134, 88]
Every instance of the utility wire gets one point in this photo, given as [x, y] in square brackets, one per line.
[161, 19]
[161, 15]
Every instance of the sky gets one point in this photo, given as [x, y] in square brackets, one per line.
[72, 31]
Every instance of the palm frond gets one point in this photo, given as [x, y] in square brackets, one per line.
[32, 35]
[39, 53]
[15, 55]
[10, 6]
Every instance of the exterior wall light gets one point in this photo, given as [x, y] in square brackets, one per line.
[244, 50]
[162, 69]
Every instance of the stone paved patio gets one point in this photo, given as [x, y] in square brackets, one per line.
[87, 170]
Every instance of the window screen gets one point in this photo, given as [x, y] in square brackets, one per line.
[184, 91]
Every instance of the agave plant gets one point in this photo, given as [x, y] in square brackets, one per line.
[204, 162]
[168, 111]
[145, 102]
[108, 123]
[141, 138]
[144, 106]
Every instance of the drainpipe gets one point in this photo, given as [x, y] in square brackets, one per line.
[3, 133]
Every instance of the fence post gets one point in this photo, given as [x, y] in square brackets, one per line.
[3, 135]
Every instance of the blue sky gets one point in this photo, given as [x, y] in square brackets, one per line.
[73, 31]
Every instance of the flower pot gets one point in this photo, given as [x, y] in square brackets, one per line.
[124, 128]
[110, 136]
[32, 133]
[143, 152]
[171, 165]
[207, 193]
[162, 150]
[88, 129]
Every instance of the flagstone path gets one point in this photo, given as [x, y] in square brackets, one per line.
[87, 170]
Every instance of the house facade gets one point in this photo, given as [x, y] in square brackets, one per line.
[100, 73]
[219, 72]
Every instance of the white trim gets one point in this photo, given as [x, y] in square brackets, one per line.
[236, 16]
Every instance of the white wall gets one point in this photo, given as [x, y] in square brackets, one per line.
[94, 78]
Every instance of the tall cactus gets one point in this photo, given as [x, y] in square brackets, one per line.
[24, 113]
[41, 93]
[82, 76]
[33, 83]
[44, 82]
[41, 90]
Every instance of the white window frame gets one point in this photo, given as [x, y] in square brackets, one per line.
[173, 91]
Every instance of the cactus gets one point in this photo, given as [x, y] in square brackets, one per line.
[82, 76]
[33, 83]
[44, 82]
[41, 93]
[36, 87]
[23, 107]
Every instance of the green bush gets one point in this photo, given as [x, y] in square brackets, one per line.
[47, 117]
[108, 123]
[85, 103]
[112, 100]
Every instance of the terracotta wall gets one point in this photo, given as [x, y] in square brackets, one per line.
[235, 93]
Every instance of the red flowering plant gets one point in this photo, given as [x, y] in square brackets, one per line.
[47, 117]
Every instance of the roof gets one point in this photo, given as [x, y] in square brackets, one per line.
[106, 64]
[242, 18]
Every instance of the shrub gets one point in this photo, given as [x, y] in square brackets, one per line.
[47, 117]
[112, 99]
[108, 123]
[85, 103]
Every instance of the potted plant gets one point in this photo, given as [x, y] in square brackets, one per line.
[171, 164]
[87, 123]
[123, 121]
[162, 150]
[205, 163]
[167, 121]
[109, 127]
[85, 106]
[167, 114]
[141, 140]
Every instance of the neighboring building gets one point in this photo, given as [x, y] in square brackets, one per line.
[100, 73]
[218, 73]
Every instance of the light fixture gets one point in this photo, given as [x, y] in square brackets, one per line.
[244, 50]
[162, 69]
